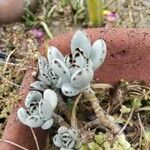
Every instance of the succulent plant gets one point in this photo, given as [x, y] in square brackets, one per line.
[39, 109]
[46, 76]
[76, 70]
[66, 138]
[122, 144]
[101, 142]
[96, 52]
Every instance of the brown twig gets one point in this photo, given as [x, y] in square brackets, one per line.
[35, 139]
[127, 122]
[141, 132]
[14, 144]
[73, 114]
[5, 67]
[103, 117]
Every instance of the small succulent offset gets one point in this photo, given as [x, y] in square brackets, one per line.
[39, 109]
[46, 76]
[76, 70]
[66, 138]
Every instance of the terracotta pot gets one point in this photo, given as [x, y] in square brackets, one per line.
[12, 10]
[128, 57]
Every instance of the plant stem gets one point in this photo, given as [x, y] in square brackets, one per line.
[51, 11]
[35, 139]
[46, 29]
[73, 114]
[127, 122]
[103, 117]
[14, 144]
[95, 11]
[7, 60]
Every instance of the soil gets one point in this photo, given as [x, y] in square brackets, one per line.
[119, 101]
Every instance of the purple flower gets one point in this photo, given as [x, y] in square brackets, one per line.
[37, 33]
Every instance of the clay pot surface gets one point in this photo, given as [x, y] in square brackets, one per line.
[128, 57]
[12, 10]
[15, 131]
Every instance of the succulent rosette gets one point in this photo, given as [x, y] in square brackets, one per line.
[39, 109]
[76, 70]
[46, 76]
[66, 138]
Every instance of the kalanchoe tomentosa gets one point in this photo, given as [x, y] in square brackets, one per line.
[66, 138]
[76, 70]
[39, 109]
